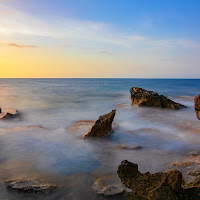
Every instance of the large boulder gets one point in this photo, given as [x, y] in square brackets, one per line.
[142, 97]
[31, 186]
[158, 186]
[102, 127]
[197, 106]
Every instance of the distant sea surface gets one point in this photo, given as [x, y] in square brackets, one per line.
[47, 138]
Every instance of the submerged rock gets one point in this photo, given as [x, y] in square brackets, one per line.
[142, 97]
[197, 106]
[81, 124]
[31, 186]
[158, 186]
[102, 127]
[128, 147]
[10, 115]
[108, 186]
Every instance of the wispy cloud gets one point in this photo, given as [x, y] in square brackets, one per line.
[20, 46]
[105, 53]
[8, 44]
[82, 34]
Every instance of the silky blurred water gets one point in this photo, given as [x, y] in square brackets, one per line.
[42, 141]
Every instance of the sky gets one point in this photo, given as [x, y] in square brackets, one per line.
[99, 39]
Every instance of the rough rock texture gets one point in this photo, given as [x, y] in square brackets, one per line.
[143, 97]
[108, 186]
[197, 106]
[30, 186]
[159, 186]
[102, 127]
[9, 115]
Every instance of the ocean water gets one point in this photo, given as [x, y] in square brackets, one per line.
[45, 143]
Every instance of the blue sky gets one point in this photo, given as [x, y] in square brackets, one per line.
[167, 18]
[140, 36]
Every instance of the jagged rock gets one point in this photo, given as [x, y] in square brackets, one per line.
[128, 147]
[102, 127]
[197, 106]
[158, 186]
[108, 186]
[31, 186]
[10, 115]
[143, 97]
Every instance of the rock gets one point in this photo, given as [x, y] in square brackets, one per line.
[10, 115]
[31, 186]
[108, 186]
[143, 97]
[197, 106]
[189, 167]
[102, 127]
[158, 186]
[127, 147]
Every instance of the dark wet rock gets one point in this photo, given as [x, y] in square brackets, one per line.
[197, 106]
[108, 186]
[10, 115]
[102, 127]
[158, 186]
[128, 147]
[146, 98]
[31, 186]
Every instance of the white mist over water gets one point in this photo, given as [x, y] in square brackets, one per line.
[42, 145]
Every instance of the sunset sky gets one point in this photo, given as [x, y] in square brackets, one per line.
[100, 38]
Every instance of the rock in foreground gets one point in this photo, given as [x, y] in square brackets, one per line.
[159, 186]
[197, 106]
[102, 127]
[31, 186]
[108, 186]
[142, 97]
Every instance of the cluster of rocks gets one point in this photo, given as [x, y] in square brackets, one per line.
[168, 185]
[158, 186]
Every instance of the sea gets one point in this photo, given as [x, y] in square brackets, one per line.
[46, 141]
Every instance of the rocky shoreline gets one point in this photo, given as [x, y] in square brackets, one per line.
[180, 181]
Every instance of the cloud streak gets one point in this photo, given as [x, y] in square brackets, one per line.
[20, 46]
[85, 33]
